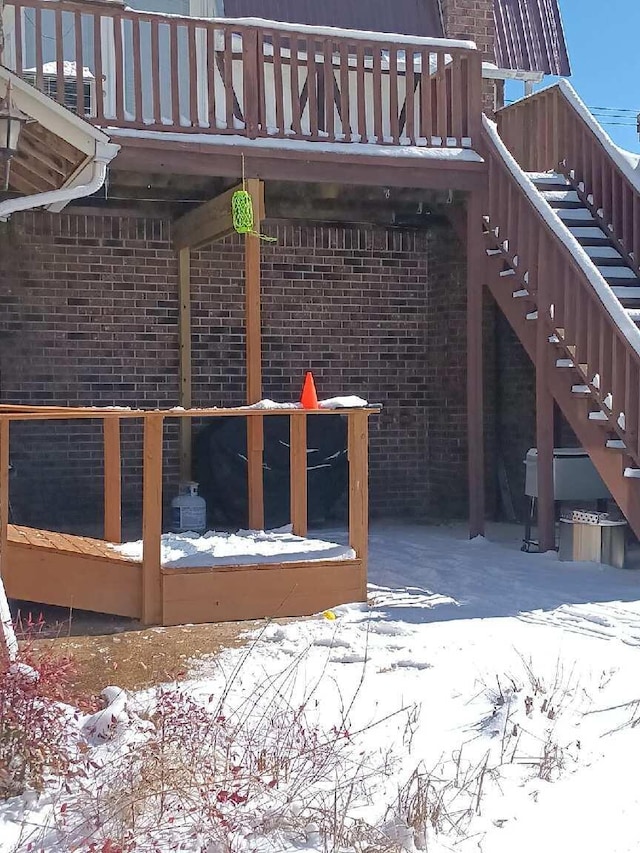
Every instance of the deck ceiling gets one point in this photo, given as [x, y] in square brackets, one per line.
[44, 161]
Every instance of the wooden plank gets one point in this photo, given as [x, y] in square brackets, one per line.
[152, 520]
[544, 410]
[4, 491]
[252, 296]
[184, 303]
[207, 223]
[97, 52]
[78, 581]
[255, 483]
[155, 72]
[255, 427]
[59, 58]
[137, 69]
[476, 258]
[358, 451]
[298, 474]
[112, 480]
[255, 592]
[119, 69]
[8, 643]
[394, 118]
[174, 67]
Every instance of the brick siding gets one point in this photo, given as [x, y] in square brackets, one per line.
[90, 317]
[473, 19]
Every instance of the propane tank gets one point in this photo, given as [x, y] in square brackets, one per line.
[188, 510]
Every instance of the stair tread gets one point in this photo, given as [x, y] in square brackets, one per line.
[627, 292]
[568, 195]
[580, 216]
[601, 253]
[618, 272]
[547, 178]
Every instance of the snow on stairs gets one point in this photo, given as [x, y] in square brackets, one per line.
[591, 232]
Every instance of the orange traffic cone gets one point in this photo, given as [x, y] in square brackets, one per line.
[309, 396]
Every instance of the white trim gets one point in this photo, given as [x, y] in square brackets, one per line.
[490, 71]
[103, 155]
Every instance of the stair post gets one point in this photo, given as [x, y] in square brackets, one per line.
[476, 260]
[544, 412]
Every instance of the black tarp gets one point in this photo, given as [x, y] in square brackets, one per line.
[221, 468]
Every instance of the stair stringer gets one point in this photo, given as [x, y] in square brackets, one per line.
[609, 465]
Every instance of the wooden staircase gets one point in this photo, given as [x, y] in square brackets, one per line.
[562, 235]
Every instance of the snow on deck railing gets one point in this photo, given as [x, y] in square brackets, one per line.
[553, 130]
[249, 77]
[618, 155]
[607, 297]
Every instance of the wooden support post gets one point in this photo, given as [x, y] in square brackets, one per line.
[252, 296]
[8, 641]
[152, 520]
[255, 425]
[476, 259]
[112, 480]
[298, 473]
[358, 451]
[544, 417]
[184, 302]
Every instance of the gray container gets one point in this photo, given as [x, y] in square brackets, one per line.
[604, 542]
[574, 477]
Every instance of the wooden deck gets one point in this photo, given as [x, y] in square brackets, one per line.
[82, 573]
[176, 82]
[88, 574]
[70, 571]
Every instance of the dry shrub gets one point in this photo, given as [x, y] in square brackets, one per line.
[35, 729]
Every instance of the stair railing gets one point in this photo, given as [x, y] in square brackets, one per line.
[577, 306]
[553, 130]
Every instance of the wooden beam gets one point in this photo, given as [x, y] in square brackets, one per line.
[298, 473]
[287, 165]
[544, 410]
[358, 451]
[7, 634]
[253, 296]
[152, 520]
[255, 426]
[185, 396]
[476, 258]
[112, 480]
[210, 222]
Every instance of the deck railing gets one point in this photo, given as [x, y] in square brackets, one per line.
[152, 502]
[127, 69]
[552, 130]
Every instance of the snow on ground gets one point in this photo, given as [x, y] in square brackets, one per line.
[508, 680]
[244, 548]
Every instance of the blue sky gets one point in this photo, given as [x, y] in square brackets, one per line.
[604, 47]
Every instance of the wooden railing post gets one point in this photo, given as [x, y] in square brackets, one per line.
[252, 85]
[476, 259]
[152, 520]
[185, 397]
[7, 635]
[112, 479]
[298, 472]
[358, 451]
[474, 100]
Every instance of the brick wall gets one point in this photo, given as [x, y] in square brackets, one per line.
[473, 19]
[89, 316]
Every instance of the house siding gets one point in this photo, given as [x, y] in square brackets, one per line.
[90, 317]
